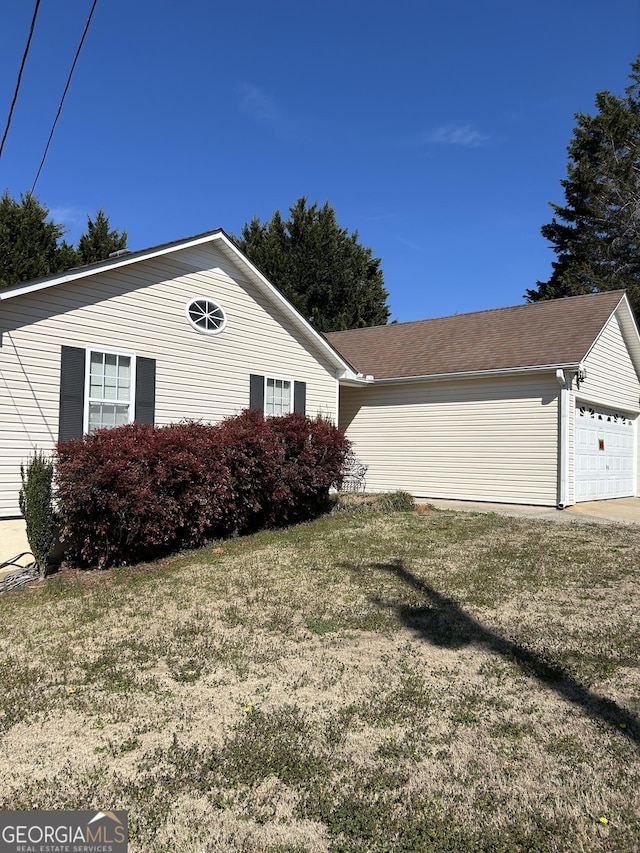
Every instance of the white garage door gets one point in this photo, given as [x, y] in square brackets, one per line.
[605, 454]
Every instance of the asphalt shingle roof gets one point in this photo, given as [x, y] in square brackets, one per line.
[560, 331]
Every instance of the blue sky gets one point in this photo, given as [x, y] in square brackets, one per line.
[437, 130]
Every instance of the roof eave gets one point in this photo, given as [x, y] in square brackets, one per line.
[477, 374]
[355, 380]
[109, 264]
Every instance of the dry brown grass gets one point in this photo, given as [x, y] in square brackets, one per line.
[399, 682]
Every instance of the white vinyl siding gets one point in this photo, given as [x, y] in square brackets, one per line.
[611, 378]
[485, 440]
[140, 309]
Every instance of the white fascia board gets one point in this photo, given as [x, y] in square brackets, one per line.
[107, 266]
[475, 374]
[630, 331]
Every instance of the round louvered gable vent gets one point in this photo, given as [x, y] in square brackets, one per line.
[206, 316]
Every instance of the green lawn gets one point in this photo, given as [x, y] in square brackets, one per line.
[368, 682]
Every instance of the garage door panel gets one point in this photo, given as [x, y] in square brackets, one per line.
[604, 454]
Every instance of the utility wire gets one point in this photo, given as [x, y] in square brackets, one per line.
[22, 64]
[55, 121]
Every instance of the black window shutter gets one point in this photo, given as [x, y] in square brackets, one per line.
[300, 397]
[145, 390]
[71, 413]
[256, 392]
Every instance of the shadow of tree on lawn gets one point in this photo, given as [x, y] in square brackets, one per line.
[444, 623]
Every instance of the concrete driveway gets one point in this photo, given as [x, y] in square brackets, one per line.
[617, 511]
[623, 510]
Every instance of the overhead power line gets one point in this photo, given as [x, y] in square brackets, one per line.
[22, 64]
[55, 121]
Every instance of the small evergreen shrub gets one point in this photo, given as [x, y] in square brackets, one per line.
[399, 501]
[352, 503]
[36, 505]
[137, 491]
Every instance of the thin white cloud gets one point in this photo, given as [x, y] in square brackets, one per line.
[417, 247]
[259, 105]
[282, 122]
[378, 217]
[69, 216]
[465, 135]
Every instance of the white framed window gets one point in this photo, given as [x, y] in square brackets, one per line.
[278, 396]
[109, 389]
[205, 315]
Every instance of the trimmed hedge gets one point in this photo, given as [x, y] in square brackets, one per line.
[137, 492]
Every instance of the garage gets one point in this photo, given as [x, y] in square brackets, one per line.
[534, 404]
[605, 453]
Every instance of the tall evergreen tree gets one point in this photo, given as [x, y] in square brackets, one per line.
[29, 242]
[596, 233]
[98, 242]
[322, 269]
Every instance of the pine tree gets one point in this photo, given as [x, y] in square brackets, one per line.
[29, 246]
[321, 269]
[596, 233]
[98, 242]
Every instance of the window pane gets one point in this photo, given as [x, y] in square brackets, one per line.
[124, 391]
[121, 415]
[110, 364]
[124, 369]
[97, 361]
[96, 374]
[94, 416]
[109, 388]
